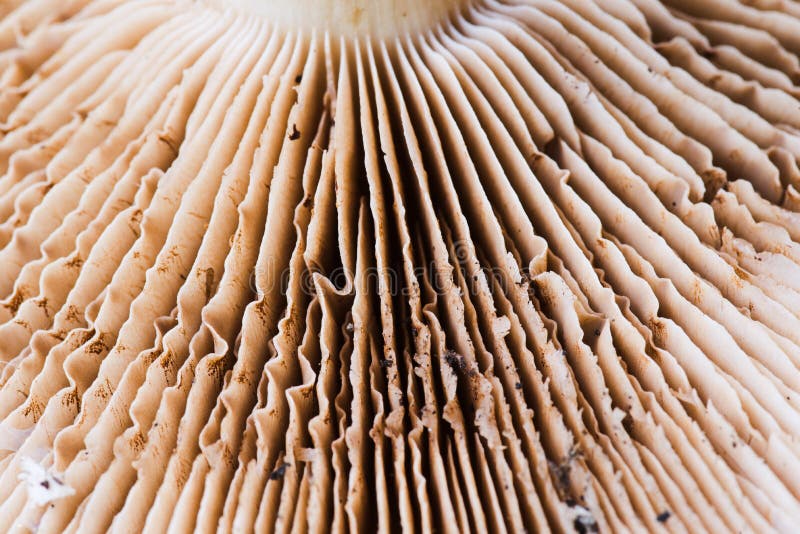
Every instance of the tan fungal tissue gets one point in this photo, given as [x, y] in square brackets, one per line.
[399, 266]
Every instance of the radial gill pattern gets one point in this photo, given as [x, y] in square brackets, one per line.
[536, 267]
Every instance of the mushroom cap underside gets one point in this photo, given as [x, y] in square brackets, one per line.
[485, 266]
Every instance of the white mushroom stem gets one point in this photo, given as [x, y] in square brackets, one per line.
[369, 18]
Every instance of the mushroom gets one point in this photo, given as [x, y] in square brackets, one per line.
[399, 265]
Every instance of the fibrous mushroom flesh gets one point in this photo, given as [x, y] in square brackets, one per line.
[468, 265]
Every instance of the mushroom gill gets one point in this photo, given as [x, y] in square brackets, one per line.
[469, 265]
